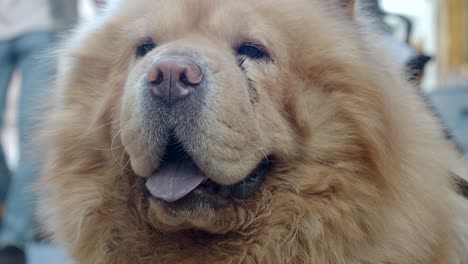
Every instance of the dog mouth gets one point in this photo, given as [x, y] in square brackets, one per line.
[178, 178]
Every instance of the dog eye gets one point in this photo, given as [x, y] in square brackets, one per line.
[252, 51]
[144, 48]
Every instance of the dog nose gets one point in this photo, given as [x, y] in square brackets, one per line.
[174, 78]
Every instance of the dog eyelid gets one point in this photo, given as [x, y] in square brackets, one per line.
[144, 47]
[252, 50]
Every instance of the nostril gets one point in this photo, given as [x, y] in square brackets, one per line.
[183, 79]
[155, 76]
[159, 78]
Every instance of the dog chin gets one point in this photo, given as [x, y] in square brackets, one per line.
[191, 215]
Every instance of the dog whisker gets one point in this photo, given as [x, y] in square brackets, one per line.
[261, 150]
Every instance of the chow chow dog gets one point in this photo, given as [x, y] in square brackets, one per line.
[242, 131]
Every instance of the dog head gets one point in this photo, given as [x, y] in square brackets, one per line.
[222, 112]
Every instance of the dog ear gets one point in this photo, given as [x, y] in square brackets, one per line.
[349, 5]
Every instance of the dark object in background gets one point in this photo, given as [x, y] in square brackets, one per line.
[415, 69]
[12, 255]
[416, 66]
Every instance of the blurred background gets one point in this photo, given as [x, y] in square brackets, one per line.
[428, 38]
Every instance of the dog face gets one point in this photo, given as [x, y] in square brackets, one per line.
[218, 105]
[203, 113]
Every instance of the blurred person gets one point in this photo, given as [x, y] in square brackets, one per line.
[64, 14]
[27, 30]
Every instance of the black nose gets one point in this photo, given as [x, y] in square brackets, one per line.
[173, 78]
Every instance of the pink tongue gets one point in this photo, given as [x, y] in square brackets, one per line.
[175, 180]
